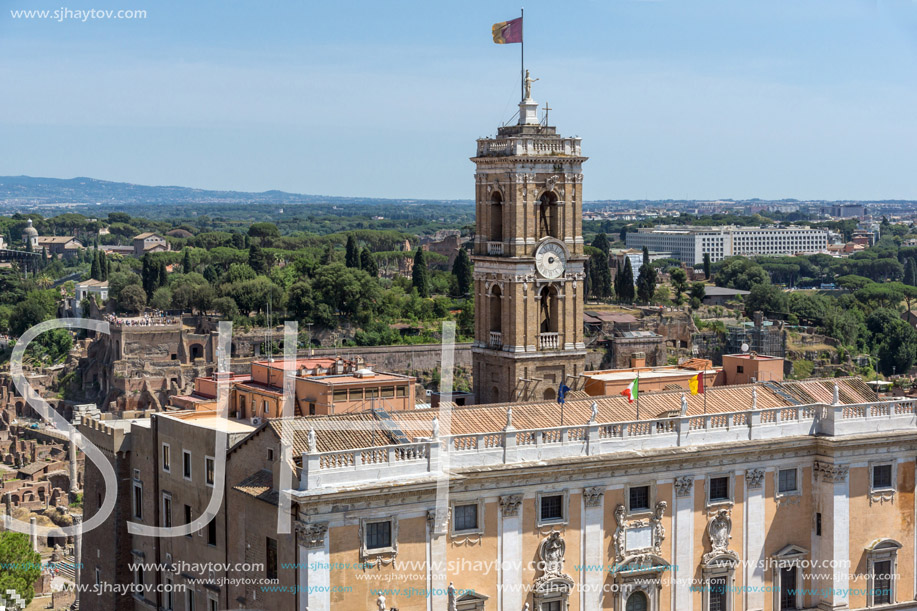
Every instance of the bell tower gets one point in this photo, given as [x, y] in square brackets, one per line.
[528, 261]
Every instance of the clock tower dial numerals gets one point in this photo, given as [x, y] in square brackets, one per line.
[551, 260]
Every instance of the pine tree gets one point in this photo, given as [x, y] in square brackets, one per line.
[706, 266]
[186, 262]
[328, 257]
[95, 271]
[420, 275]
[368, 263]
[461, 269]
[352, 257]
[627, 282]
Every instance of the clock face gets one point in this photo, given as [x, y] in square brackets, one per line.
[551, 260]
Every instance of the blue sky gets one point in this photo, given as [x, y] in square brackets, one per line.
[673, 98]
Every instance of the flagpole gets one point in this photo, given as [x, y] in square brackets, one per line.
[638, 394]
[705, 393]
[522, 53]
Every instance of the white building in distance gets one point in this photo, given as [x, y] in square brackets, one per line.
[689, 243]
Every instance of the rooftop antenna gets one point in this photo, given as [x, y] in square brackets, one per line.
[547, 109]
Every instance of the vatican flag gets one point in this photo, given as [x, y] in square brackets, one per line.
[697, 384]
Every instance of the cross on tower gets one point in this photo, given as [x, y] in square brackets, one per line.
[546, 110]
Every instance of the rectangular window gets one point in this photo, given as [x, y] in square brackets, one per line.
[740, 369]
[212, 605]
[98, 576]
[787, 480]
[882, 582]
[818, 524]
[881, 477]
[270, 454]
[138, 501]
[717, 586]
[465, 517]
[208, 470]
[212, 532]
[167, 511]
[166, 458]
[553, 605]
[388, 392]
[188, 517]
[401, 391]
[552, 508]
[719, 489]
[190, 600]
[639, 498]
[271, 559]
[170, 602]
[340, 396]
[378, 535]
[186, 464]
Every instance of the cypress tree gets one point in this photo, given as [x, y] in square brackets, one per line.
[461, 269]
[646, 280]
[627, 282]
[910, 272]
[601, 242]
[352, 257]
[706, 266]
[420, 275]
[149, 275]
[368, 263]
[162, 277]
[186, 262]
[95, 269]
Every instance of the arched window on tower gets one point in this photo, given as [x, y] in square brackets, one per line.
[496, 217]
[549, 314]
[548, 216]
[496, 317]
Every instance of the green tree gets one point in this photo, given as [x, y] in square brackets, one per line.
[420, 275]
[679, 280]
[698, 291]
[646, 279]
[601, 242]
[162, 298]
[462, 271]
[599, 276]
[368, 263]
[300, 302]
[740, 273]
[37, 306]
[186, 262]
[706, 266]
[22, 565]
[767, 298]
[149, 274]
[132, 299]
[226, 306]
[352, 256]
[258, 260]
[265, 231]
[94, 270]
[627, 292]
[910, 272]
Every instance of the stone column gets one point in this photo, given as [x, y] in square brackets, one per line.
[754, 539]
[684, 541]
[33, 533]
[314, 566]
[77, 551]
[832, 500]
[594, 571]
[74, 485]
[511, 546]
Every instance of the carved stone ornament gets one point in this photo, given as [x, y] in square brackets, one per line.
[510, 504]
[754, 478]
[684, 485]
[311, 534]
[652, 529]
[829, 472]
[438, 522]
[719, 531]
[592, 497]
[881, 497]
[551, 551]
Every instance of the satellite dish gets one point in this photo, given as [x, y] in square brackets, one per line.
[744, 347]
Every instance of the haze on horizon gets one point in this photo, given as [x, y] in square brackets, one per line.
[806, 99]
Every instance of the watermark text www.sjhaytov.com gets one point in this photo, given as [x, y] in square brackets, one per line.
[63, 14]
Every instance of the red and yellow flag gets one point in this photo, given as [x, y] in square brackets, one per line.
[696, 384]
[507, 32]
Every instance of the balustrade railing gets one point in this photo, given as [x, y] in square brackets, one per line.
[549, 341]
[495, 248]
[496, 339]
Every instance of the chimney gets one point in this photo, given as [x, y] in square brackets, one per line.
[638, 359]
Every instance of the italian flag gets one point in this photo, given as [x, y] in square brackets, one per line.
[631, 391]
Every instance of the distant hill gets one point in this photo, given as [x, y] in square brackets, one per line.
[20, 190]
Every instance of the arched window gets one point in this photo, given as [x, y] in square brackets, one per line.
[496, 309]
[548, 217]
[548, 310]
[549, 394]
[496, 217]
[495, 394]
[636, 602]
